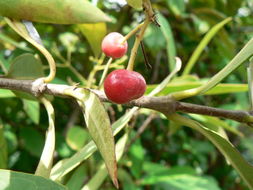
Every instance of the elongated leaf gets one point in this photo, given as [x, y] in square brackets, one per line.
[137, 4]
[62, 168]
[10, 180]
[218, 122]
[53, 11]
[197, 52]
[98, 123]
[46, 159]
[32, 108]
[94, 38]
[219, 89]
[3, 149]
[100, 176]
[226, 148]
[170, 43]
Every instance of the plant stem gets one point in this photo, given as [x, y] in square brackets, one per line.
[105, 72]
[137, 42]
[132, 32]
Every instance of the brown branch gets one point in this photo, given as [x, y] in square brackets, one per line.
[163, 104]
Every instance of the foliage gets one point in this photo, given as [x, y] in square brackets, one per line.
[152, 151]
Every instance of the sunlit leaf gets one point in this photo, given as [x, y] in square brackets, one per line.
[94, 33]
[219, 89]
[98, 123]
[53, 11]
[46, 159]
[10, 180]
[6, 93]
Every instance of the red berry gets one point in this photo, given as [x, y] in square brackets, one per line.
[122, 86]
[112, 45]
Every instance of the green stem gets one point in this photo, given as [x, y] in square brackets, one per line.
[131, 33]
[105, 73]
[137, 42]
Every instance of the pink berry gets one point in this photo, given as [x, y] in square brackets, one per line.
[112, 45]
[122, 86]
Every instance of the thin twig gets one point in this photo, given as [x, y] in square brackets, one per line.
[164, 104]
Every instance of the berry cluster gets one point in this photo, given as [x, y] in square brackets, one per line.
[121, 86]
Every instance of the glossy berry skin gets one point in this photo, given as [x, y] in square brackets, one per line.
[112, 45]
[122, 86]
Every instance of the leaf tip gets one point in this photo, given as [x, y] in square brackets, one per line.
[116, 183]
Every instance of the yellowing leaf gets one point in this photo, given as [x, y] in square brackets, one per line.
[137, 4]
[94, 34]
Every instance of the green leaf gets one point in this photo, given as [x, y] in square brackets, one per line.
[208, 120]
[98, 123]
[32, 141]
[32, 108]
[219, 89]
[76, 180]
[77, 137]
[25, 66]
[176, 178]
[177, 7]
[6, 93]
[170, 43]
[46, 160]
[226, 148]
[62, 168]
[3, 149]
[137, 4]
[182, 182]
[137, 156]
[10, 180]
[97, 180]
[203, 43]
[53, 11]
[94, 38]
